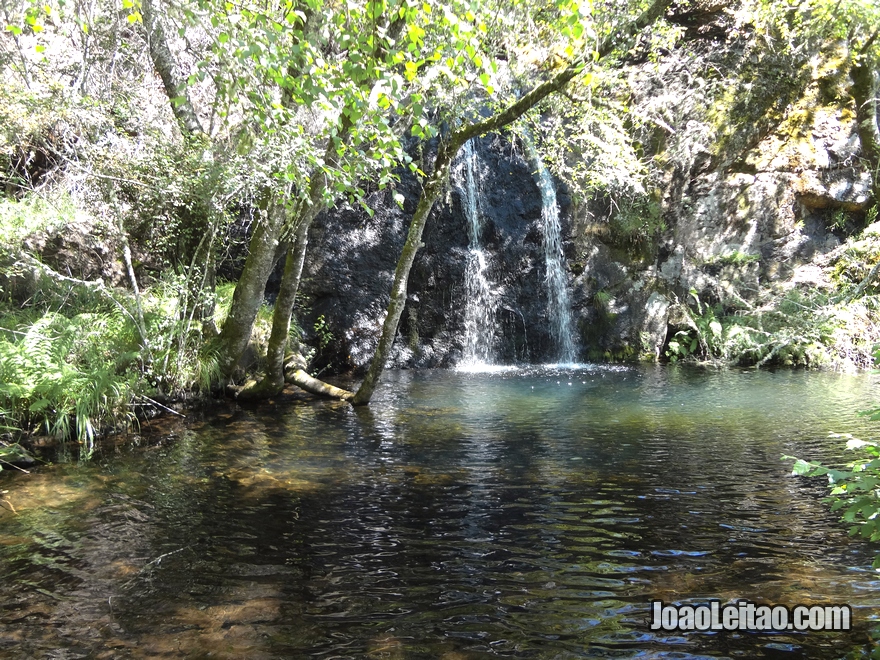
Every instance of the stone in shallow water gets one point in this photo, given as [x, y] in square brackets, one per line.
[15, 455]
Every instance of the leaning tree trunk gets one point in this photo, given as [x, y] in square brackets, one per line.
[865, 90]
[430, 193]
[249, 291]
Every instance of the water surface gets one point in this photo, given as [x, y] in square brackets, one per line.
[520, 514]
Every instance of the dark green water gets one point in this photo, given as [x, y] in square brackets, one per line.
[521, 514]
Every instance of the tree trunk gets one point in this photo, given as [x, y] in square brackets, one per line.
[166, 67]
[865, 90]
[249, 291]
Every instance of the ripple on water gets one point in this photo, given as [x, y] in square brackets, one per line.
[462, 515]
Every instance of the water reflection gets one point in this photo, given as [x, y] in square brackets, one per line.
[527, 514]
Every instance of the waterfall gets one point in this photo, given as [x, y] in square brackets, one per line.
[555, 279]
[480, 296]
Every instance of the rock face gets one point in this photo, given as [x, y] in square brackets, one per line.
[729, 232]
[76, 250]
[350, 266]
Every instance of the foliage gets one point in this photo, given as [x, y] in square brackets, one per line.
[322, 330]
[591, 144]
[69, 375]
[853, 270]
[39, 130]
[286, 79]
[734, 258]
[179, 361]
[702, 338]
[32, 214]
[602, 301]
[170, 197]
[794, 329]
[855, 489]
[79, 374]
[637, 221]
[834, 323]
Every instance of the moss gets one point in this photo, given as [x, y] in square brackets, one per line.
[734, 258]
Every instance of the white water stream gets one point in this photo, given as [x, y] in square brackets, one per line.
[481, 296]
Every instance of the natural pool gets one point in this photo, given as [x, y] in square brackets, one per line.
[521, 514]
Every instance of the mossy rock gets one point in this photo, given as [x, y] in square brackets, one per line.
[15, 455]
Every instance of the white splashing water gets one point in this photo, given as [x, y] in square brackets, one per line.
[555, 279]
[481, 298]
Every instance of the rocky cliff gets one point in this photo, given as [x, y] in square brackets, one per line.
[753, 201]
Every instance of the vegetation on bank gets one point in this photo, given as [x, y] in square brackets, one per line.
[828, 319]
[158, 160]
[78, 357]
[854, 492]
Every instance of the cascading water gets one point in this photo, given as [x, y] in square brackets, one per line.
[481, 297]
[558, 302]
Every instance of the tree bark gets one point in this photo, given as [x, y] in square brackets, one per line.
[166, 67]
[865, 90]
[302, 380]
[248, 296]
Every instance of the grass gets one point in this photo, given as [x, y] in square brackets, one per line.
[36, 213]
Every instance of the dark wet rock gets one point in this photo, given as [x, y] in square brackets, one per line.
[15, 455]
[349, 271]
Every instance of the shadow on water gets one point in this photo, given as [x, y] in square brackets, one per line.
[522, 514]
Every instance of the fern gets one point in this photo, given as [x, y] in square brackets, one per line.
[69, 376]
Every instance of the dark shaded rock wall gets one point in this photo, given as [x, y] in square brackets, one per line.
[729, 236]
[352, 258]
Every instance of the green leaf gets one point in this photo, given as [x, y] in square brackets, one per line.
[801, 467]
[39, 404]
